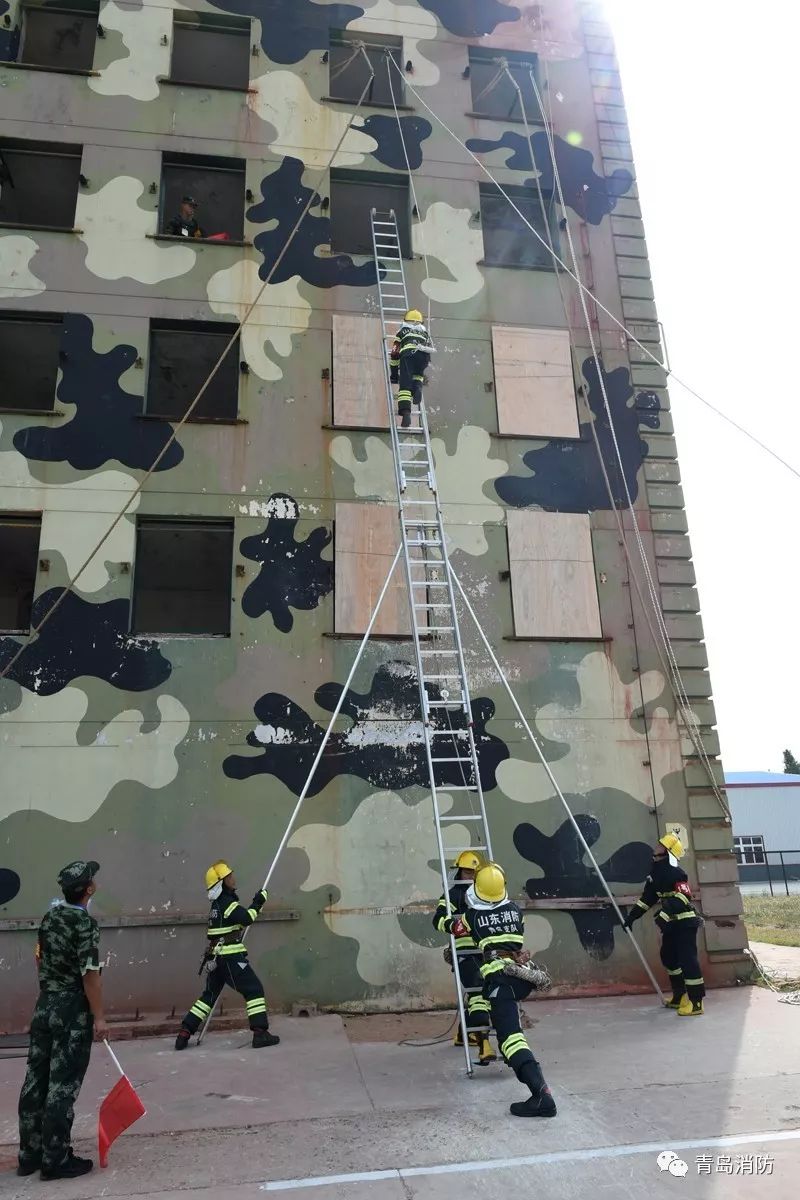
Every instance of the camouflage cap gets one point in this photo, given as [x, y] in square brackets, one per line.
[76, 873]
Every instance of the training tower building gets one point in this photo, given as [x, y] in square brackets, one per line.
[223, 500]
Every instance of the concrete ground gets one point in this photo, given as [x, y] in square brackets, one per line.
[785, 960]
[341, 1111]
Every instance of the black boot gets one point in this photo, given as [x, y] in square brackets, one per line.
[182, 1040]
[71, 1168]
[263, 1037]
[405, 420]
[25, 1168]
[540, 1103]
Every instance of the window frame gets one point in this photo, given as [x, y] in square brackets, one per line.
[368, 179]
[172, 160]
[223, 329]
[22, 520]
[88, 12]
[750, 843]
[369, 567]
[480, 56]
[342, 38]
[33, 319]
[150, 521]
[511, 383]
[545, 262]
[208, 22]
[41, 150]
[557, 579]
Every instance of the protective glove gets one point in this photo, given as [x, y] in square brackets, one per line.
[259, 900]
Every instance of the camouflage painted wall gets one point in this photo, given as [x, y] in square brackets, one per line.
[158, 756]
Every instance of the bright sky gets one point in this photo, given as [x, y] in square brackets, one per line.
[712, 99]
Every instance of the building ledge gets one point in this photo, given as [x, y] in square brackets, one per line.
[39, 228]
[194, 420]
[187, 241]
[366, 104]
[26, 66]
[478, 116]
[32, 412]
[213, 87]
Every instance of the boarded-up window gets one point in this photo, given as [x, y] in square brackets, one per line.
[359, 381]
[60, 36]
[553, 585]
[367, 536]
[534, 383]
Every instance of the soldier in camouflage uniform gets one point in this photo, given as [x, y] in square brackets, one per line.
[68, 1011]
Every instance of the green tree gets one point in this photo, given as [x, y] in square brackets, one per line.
[790, 764]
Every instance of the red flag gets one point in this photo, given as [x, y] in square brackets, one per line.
[120, 1109]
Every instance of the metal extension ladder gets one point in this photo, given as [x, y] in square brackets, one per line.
[449, 741]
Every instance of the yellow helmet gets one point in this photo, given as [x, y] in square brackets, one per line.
[468, 860]
[413, 314]
[217, 873]
[490, 883]
[672, 844]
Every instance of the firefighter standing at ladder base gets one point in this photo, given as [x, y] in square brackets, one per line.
[497, 926]
[467, 953]
[227, 953]
[408, 361]
[667, 885]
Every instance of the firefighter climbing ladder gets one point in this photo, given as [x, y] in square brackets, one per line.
[447, 727]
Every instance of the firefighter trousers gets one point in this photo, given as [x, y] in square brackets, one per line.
[236, 972]
[504, 997]
[477, 1005]
[410, 374]
[679, 956]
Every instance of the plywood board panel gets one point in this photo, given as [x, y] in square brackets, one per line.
[367, 536]
[359, 386]
[534, 382]
[553, 584]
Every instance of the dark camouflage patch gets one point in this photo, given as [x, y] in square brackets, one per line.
[107, 425]
[390, 143]
[471, 18]
[293, 28]
[590, 195]
[561, 858]
[284, 195]
[84, 639]
[9, 884]
[566, 474]
[379, 747]
[293, 574]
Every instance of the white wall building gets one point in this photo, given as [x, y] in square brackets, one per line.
[765, 807]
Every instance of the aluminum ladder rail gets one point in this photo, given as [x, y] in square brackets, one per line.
[449, 741]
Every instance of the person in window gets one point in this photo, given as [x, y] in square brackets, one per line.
[185, 224]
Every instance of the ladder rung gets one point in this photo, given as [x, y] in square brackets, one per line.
[467, 817]
[426, 583]
[460, 850]
[447, 704]
[426, 678]
[438, 760]
[438, 652]
[460, 787]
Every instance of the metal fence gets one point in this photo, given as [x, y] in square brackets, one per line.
[776, 872]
